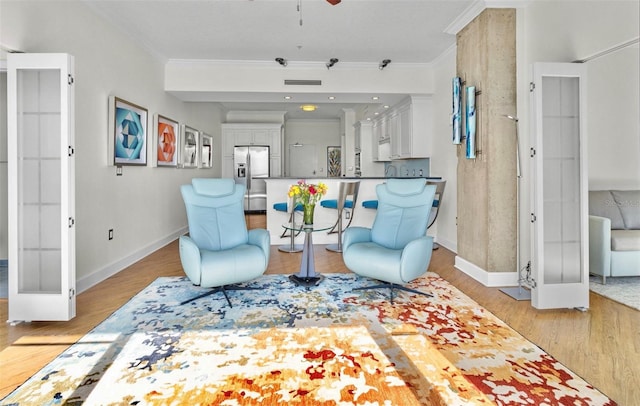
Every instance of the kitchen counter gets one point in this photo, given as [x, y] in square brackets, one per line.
[277, 191]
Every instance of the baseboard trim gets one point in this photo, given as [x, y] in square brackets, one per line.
[450, 245]
[488, 279]
[89, 281]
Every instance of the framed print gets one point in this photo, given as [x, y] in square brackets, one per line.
[471, 122]
[206, 151]
[457, 111]
[129, 133]
[189, 149]
[333, 162]
[165, 142]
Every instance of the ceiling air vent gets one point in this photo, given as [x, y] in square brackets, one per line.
[302, 82]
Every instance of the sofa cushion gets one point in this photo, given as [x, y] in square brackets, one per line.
[628, 201]
[602, 204]
[625, 240]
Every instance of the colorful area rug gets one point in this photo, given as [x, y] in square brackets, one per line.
[623, 289]
[284, 344]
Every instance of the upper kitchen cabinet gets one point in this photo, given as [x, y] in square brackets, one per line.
[410, 128]
[265, 134]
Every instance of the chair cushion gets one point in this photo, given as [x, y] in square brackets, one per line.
[405, 187]
[333, 204]
[213, 187]
[370, 204]
[282, 206]
[374, 261]
[239, 264]
[628, 201]
[602, 204]
[625, 240]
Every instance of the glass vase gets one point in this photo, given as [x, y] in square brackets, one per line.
[307, 214]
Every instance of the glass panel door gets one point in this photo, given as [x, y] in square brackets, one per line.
[40, 178]
[560, 183]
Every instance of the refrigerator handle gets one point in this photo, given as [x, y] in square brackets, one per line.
[249, 172]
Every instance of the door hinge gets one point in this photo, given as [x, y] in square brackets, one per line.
[72, 293]
[532, 152]
[72, 221]
[71, 150]
[532, 86]
[70, 79]
[533, 218]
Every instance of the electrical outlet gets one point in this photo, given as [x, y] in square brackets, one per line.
[110, 234]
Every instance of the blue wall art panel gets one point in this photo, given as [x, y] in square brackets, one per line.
[471, 122]
[457, 110]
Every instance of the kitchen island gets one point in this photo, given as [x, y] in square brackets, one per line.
[278, 188]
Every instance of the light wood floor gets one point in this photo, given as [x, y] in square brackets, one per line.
[601, 345]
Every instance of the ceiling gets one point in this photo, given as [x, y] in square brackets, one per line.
[300, 31]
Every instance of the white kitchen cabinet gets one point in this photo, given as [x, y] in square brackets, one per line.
[410, 128]
[41, 187]
[269, 134]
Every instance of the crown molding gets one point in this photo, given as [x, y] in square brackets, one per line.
[478, 7]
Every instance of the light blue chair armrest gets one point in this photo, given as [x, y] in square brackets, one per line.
[415, 258]
[353, 235]
[600, 246]
[261, 238]
[190, 259]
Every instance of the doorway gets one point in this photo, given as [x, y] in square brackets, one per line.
[303, 161]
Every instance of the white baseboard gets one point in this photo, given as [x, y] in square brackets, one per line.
[89, 281]
[489, 279]
[450, 245]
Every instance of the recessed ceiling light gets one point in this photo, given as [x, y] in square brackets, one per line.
[332, 97]
[375, 98]
[308, 107]
[386, 106]
[376, 113]
[287, 97]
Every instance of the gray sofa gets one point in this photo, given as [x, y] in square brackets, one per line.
[614, 233]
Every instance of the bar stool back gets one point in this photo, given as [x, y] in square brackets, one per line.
[437, 203]
[346, 189]
[291, 208]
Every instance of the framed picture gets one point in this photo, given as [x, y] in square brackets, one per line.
[334, 157]
[166, 142]
[471, 122]
[456, 113]
[189, 149]
[128, 128]
[206, 151]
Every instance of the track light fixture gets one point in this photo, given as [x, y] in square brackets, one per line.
[332, 62]
[384, 63]
[281, 61]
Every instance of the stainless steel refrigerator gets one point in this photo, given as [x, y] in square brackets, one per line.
[251, 166]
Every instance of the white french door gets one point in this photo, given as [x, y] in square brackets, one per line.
[41, 182]
[559, 187]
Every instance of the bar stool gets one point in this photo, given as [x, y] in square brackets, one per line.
[290, 208]
[346, 188]
[437, 203]
[370, 204]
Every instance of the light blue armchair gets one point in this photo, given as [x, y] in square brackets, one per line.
[220, 252]
[396, 249]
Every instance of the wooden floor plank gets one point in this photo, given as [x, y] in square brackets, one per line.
[602, 345]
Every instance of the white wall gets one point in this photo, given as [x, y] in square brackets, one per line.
[143, 206]
[444, 160]
[4, 240]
